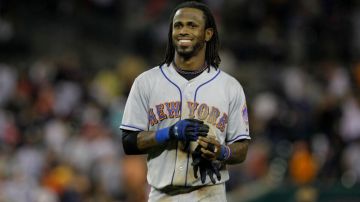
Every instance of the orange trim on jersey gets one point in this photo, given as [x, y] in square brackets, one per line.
[222, 122]
[152, 117]
[214, 114]
[173, 109]
[203, 111]
[192, 107]
[160, 112]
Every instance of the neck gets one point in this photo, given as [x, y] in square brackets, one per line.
[194, 63]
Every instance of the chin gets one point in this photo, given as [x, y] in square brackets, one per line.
[185, 53]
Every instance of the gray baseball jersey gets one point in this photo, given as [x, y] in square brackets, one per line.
[160, 97]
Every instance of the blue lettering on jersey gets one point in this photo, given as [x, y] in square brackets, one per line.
[173, 109]
[214, 114]
[200, 111]
[160, 112]
[192, 107]
[203, 111]
[222, 122]
[152, 117]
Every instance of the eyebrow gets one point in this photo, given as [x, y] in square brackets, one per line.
[186, 22]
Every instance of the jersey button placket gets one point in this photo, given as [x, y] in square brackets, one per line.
[189, 91]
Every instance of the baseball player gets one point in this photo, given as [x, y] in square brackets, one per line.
[187, 115]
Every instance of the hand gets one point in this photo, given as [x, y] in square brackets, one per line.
[212, 149]
[188, 130]
[184, 130]
[205, 166]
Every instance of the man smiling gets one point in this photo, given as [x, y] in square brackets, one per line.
[186, 114]
[188, 32]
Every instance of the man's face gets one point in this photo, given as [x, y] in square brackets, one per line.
[188, 32]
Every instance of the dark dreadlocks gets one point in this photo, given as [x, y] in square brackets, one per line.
[212, 48]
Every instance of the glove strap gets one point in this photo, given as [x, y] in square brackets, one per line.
[162, 135]
[225, 153]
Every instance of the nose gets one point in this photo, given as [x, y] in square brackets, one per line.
[183, 31]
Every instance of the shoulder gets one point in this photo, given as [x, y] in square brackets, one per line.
[234, 89]
[230, 80]
[148, 75]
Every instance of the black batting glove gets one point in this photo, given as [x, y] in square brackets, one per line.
[205, 167]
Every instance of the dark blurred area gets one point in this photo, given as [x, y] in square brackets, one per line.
[66, 67]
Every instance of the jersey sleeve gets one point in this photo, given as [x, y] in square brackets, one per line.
[136, 108]
[238, 122]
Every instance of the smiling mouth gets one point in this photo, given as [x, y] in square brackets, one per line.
[184, 42]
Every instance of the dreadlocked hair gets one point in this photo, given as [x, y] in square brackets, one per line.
[212, 46]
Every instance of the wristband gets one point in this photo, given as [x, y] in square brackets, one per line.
[162, 135]
[225, 153]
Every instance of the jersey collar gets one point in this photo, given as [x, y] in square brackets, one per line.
[173, 75]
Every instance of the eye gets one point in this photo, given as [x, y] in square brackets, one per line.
[192, 25]
[177, 25]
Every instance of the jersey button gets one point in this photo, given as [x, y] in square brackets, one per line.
[181, 168]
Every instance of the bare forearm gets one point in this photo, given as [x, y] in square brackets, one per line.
[185, 130]
[238, 152]
[146, 140]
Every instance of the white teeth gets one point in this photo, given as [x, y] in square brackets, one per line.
[184, 40]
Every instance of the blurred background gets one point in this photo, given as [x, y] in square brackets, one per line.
[66, 68]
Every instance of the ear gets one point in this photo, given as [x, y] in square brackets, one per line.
[208, 34]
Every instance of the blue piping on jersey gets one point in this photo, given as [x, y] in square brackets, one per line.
[167, 78]
[188, 153]
[187, 166]
[176, 152]
[235, 138]
[133, 127]
[204, 84]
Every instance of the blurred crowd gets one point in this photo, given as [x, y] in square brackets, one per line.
[66, 68]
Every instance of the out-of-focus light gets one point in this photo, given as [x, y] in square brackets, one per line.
[348, 179]
[277, 171]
